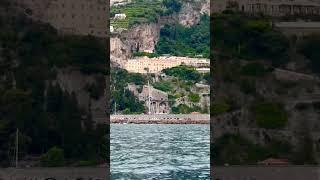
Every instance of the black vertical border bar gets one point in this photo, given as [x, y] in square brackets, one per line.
[212, 69]
[107, 90]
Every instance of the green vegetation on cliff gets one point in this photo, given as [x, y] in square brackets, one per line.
[30, 55]
[124, 99]
[237, 150]
[163, 86]
[193, 97]
[143, 11]
[309, 47]
[218, 108]
[270, 115]
[237, 35]
[184, 109]
[185, 41]
[253, 93]
[179, 83]
[149, 55]
[184, 73]
[53, 158]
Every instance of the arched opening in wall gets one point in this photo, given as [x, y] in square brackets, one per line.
[163, 107]
[153, 107]
[138, 47]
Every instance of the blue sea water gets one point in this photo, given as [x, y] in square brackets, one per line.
[164, 152]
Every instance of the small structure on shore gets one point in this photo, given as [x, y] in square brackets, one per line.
[120, 16]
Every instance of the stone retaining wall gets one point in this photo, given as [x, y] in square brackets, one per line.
[162, 119]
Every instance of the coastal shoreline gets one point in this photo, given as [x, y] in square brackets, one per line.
[161, 119]
[160, 122]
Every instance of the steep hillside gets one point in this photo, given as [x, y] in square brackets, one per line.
[192, 10]
[144, 35]
[190, 41]
[265, 107]
[152, 29]
[140, 38]
[49, 85]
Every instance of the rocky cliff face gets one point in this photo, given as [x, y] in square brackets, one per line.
[205, 7]
[144, 37]
[191, 11]
[299, 93]
[73, 81]
[140, 38]
[119, 50]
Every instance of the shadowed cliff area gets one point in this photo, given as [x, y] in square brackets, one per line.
[266, 92]
[50, 85]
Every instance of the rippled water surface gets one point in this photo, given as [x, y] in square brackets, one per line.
[160, 152]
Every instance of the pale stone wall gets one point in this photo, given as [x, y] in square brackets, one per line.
[162, 119]
[181, 117]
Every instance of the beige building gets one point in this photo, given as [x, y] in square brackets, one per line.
[81, 17]
[270, 7]
[156, 65]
